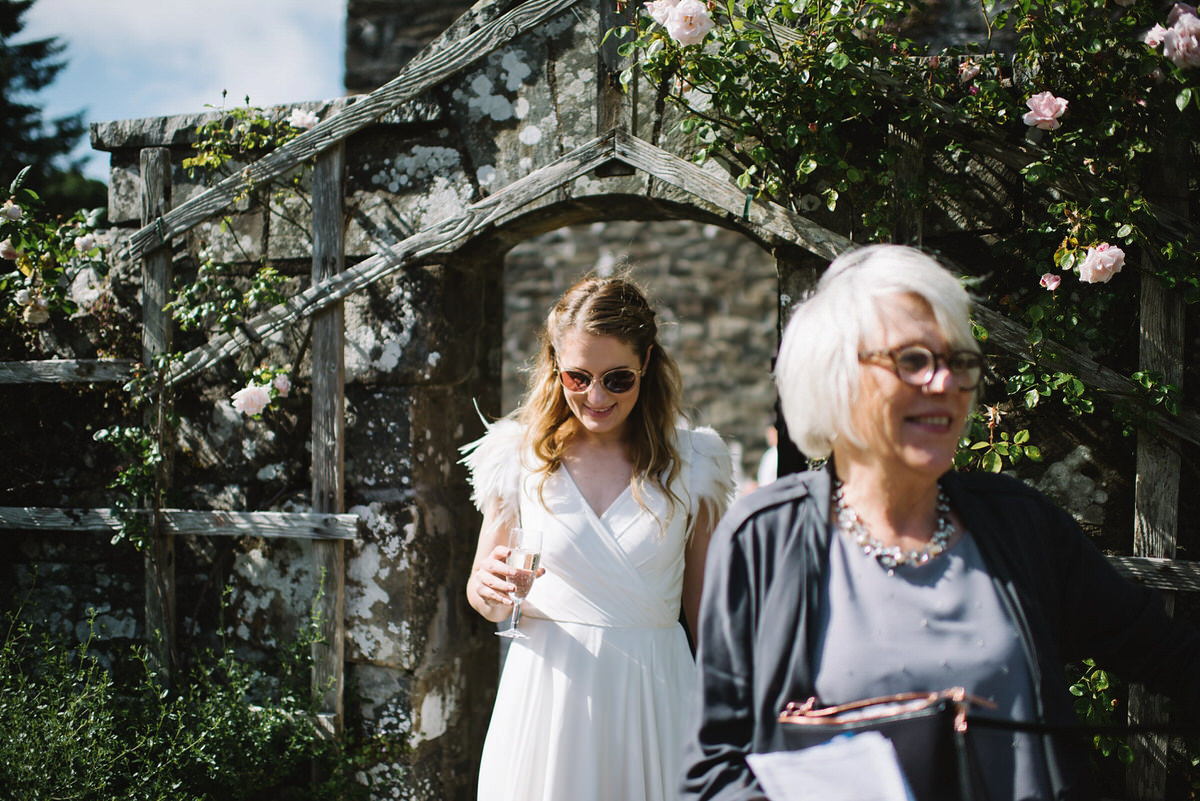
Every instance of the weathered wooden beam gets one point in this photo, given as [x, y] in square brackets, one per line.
[1012, 337]
[1172, 575]
[437, 62]
[329, 432]
[770, 217]
[157, 276]
[183, 522]
[441, 237]
[66, 371]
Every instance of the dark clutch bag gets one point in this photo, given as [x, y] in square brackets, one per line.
[928, 731]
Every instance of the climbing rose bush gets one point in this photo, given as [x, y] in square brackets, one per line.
[840, 113]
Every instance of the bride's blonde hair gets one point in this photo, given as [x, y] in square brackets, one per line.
[611, 306]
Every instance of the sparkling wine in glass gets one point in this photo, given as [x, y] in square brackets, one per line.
[525, 551]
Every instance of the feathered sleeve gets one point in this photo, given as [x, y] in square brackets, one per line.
[494, 464]
[711, 469]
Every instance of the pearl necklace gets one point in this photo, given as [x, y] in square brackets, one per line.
[893, 556]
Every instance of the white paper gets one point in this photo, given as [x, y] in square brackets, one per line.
[858, 767]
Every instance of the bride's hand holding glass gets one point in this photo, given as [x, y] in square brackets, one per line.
[525, 552]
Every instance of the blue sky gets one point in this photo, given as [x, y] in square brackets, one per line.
[151, 58]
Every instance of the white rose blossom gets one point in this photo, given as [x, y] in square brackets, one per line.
[1101, 263]
[252, 399]
[660, 10]
[12, 211]
[7, 251]
[689, 22]
[302, 118]
[282, 385]
[1181, 42]
[85, 243]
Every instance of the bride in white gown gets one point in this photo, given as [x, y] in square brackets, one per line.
[592, 704]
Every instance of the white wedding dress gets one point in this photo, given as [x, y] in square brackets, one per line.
[593, 705]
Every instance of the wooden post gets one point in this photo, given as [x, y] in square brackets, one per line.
[328, 467]
[155, 166]
[614, 109]
[1156, 491]
[798, 275]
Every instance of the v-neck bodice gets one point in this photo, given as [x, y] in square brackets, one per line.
[616, 568]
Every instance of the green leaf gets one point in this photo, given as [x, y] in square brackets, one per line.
[839, 61]
[1183, 98]
[20, 179]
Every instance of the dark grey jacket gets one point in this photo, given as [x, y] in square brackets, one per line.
[763, 587]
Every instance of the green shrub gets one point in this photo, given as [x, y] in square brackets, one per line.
[71, 729]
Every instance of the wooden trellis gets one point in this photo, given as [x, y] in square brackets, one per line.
[614, 150]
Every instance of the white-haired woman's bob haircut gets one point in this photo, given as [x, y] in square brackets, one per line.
[817, 370]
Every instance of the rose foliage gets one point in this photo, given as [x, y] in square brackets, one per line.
[1076, 115]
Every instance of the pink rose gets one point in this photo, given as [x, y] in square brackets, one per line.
[660, 10]
[1051, 281]
[282, 385]
[967, 71]
[7, 251]
[1154, 36]
[1101, 263]
[1044, 111]
[1181, 42]
[689, 22]
[252, 400]
[1181, 10]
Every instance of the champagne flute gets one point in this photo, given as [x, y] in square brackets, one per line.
[525, 551]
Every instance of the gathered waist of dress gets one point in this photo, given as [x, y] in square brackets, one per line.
[603, 624]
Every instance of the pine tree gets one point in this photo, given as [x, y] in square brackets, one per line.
[26, 138]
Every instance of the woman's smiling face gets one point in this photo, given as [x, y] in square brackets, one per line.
[905, 428]
[600, 412]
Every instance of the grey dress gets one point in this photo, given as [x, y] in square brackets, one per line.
[925, 628]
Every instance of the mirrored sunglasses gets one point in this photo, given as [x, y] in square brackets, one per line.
[617, 381]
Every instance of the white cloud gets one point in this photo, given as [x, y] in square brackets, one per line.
[149, 58]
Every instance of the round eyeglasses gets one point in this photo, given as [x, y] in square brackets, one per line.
[616, 381]
[916, 365]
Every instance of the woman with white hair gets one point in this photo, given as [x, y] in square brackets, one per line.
[886, 572]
